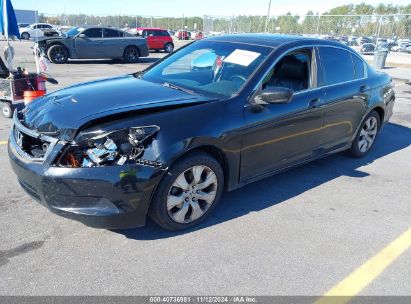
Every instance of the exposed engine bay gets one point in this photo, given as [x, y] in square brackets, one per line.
[108, 148]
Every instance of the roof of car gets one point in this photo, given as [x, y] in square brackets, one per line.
[272, 40]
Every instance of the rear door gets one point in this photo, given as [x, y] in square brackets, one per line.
[347, 94]
[113, 43]
[90, 46]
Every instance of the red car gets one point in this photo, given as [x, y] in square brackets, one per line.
[157, 39]
[183, 35]
[199, 36]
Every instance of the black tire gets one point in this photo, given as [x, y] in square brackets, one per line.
[355, 150]
[131, 54]
[158, 208]
[168, 47]
[7, 109]
[58, 54]
[25, 36]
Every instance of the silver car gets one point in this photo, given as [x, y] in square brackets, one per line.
[94, 42]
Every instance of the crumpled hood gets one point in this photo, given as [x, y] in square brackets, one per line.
[63, 112]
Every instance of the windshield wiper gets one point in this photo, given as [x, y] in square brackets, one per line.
[176, 87]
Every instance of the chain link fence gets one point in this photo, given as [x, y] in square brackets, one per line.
[396, 25]
[358, 25]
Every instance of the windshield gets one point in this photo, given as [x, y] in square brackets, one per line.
[209, 67]
[74, 31]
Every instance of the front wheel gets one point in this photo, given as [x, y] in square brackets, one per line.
[188, 192]
[131, 54]
[366, 135]
[58, 54]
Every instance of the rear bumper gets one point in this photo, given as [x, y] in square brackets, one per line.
[112, 197]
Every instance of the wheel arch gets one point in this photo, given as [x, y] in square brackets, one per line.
[132, 45]
[60, 44]
[381, 113]
[214, 151]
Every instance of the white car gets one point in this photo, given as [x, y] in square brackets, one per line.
[36, 30]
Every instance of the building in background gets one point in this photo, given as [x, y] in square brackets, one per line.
[26, 16]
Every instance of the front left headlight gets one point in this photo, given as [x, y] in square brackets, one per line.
[105, 148]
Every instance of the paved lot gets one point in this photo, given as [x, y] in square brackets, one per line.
[298, 233]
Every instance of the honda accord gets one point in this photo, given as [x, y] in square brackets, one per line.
[216, 115]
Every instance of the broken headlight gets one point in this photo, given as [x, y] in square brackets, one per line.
[104, 148]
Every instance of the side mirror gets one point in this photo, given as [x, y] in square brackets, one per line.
[82, 36]
[272, 95]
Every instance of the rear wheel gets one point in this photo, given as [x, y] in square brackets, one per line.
[169, 48]
[25, 36]
[366, 135]
[188, 192]
[131, 54]
[7, 109]
[58, 54]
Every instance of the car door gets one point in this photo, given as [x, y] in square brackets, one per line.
[113, 43]
[347, 93]
[36, 31]
[89, 44]
[151, 40]
[280, 135]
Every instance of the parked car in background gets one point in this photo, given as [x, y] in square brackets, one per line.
[182, 35]
[368, 49]
[23, 25]
[364, 39]
[199, 35]
[167, 141]
[38, 30]
[400, 47]
[157, 39]
[94, 42]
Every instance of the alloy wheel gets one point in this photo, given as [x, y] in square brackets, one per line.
[59, 55]
[192, 194]
[368, 133]
[131, 54]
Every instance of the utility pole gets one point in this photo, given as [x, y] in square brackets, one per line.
[268, 16]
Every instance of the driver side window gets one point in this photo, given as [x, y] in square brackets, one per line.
[293, 71]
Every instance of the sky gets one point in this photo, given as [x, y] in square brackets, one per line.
[176, 8]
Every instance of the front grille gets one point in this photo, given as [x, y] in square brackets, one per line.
[35, 147]
[31, 144]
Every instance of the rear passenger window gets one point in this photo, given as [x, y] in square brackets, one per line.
[109, 33]
[358, 67]
[338, 65]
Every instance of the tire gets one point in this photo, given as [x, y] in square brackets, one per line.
[25, 36]
[365, 138]
[168, 47]
[58, 54]
[172, 208]
[7, 109]
[131, 54]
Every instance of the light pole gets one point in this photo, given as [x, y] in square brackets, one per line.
[268, 16]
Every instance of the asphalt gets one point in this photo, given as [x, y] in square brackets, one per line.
[297, 233]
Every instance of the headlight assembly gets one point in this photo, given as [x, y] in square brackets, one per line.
[104, 148]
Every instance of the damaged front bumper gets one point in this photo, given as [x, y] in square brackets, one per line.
[112, 197]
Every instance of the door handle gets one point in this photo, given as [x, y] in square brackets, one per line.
[364, 88]
[314, 103]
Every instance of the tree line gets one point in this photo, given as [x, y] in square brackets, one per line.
[362, 19]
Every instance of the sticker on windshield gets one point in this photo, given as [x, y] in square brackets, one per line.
[242, 57]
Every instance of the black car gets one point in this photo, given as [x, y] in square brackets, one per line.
[216, 115]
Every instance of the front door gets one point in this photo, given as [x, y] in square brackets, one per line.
[90, 46]
[280, 135]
